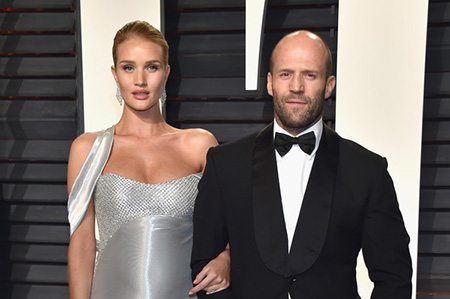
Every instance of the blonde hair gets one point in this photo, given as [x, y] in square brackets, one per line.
[144, 30]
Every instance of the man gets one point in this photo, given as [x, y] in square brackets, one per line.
[296, 216]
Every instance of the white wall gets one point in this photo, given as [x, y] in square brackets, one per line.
[100, 20]
[380, 81]
[254, 24]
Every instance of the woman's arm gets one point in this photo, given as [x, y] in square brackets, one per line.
[82, 257]
[81, 254]
[215, 276]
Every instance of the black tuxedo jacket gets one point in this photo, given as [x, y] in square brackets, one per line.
[349, 204]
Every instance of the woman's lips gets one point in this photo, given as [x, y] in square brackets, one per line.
[141, 95]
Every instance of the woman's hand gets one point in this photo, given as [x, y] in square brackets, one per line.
[215, 276]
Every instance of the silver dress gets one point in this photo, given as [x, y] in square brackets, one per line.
[145, 230]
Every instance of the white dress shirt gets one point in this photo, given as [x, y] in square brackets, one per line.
[294, 169]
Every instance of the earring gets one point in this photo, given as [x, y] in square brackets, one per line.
[162, 99]
[119, 96]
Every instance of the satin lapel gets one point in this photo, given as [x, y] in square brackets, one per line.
[270, 230]
[312, 224]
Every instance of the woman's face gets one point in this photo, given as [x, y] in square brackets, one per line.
[140, 73]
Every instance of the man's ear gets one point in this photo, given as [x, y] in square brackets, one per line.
[331, 82]
[269, 83]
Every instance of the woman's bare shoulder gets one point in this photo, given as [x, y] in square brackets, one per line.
[198, 138]
[196, 143]
[84, 141]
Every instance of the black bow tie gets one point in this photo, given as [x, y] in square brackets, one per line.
[283, 143]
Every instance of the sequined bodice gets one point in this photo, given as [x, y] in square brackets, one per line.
[119, 200]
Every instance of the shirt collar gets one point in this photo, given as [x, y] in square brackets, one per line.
[317, 128]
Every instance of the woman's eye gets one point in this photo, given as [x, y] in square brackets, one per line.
[127, 68]
[152, 67]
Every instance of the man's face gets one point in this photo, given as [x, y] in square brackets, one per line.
[298, 82]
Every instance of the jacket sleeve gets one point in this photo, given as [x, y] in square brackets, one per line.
[210, 229]
[385, 241]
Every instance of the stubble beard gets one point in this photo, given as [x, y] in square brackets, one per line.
[297, 119]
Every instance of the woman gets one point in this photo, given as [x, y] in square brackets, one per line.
[138, 179]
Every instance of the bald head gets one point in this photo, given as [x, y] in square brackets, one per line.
[303, 40]
[300, 80]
